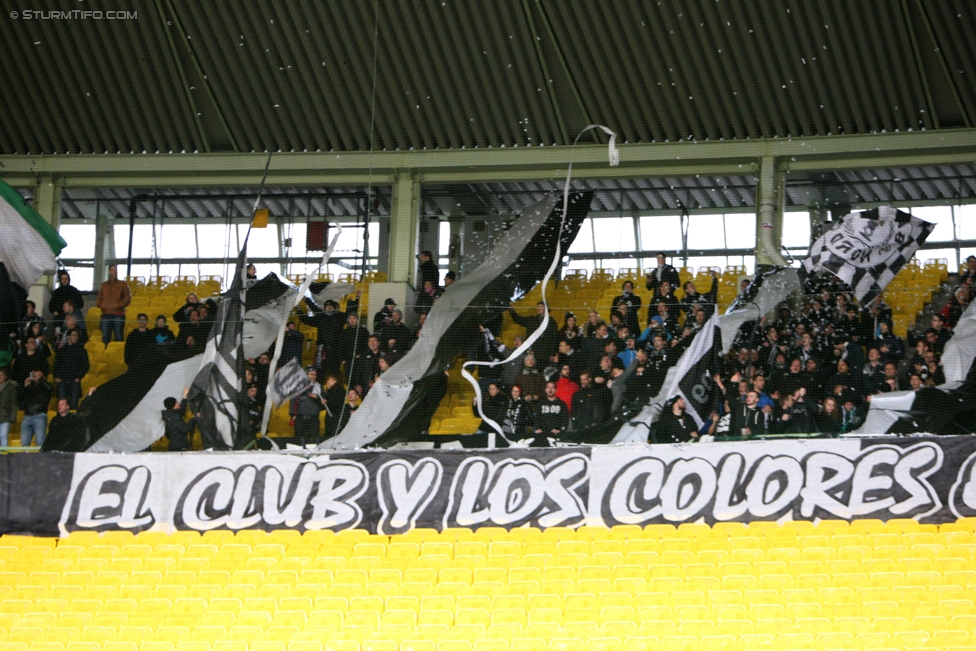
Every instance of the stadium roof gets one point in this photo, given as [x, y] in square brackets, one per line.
[297, 76]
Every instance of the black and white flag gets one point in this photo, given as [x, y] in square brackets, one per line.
[289, 381]
[868, 249]
[216, 387]
[694, 371]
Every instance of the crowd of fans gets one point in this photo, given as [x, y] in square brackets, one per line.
[813, 370]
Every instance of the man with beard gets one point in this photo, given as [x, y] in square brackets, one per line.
[367, 366]
[552, 414]
[591, 404]
[395, 337]
[675, 426]
[746, 418]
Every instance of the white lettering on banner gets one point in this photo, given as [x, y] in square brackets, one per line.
[404, 491]
[962, 495]
[880, 479]
[113, 497]
[514, 492]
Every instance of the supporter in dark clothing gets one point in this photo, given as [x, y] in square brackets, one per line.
[663, 273]
[178, 430]
[352, 342]
[34, 398]
[936, 336]
[591, 404]
[664, 320]
[828, 418]
[29, 320]
[161, 334]
[385, 315]
[844, 378]
[494, 405]
[28, 360]
[338, 407]
[305, 409]
[633, 303]
[815, 380]
[790, 416]
[65, 293]
[68, 432]
[531, 380]
[70, 366]
[675, 426]
[518, 415]
[545, 345]
[659, 360]
[329, 323]
[852, 416]
[73, 321]
[428, 270]
[367, 365]
[851, 353]
[569, 357]
[593, 346]
[593, 321]
[293, 346]
[571, 332]
[395, 336]
[745, 417]
[139, 342]
[603, 372]
[182, 315]
[872, 374]
[193, 334]
[250, 411]
[426, 298]
[664, 294]
[694, 299]
[551, 414]
[262, 373]
[890, 345]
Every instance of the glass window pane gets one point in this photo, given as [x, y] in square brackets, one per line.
[81, 277]
[613, 234]
[177, 241]
[966, 220]
[584, 240]
[740, 230]
[796, 229]
[263, 242]
[941, 216]
[81, 242]
[444, 239]
[706, 232]
[661, 233]
[948, 255]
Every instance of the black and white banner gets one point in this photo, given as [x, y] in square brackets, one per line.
[928, 479]
[868, 249]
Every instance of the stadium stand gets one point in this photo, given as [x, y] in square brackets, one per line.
[833, 586]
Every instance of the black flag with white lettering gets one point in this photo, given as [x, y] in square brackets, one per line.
[695, 370]
[216, 387]
[868, 249]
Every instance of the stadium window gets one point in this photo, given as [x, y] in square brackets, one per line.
[966, 221]
[661, 232]
[740, 230]
[706, 232]
[613, 234]
[941, 216]
[584, 240]
[796, 229]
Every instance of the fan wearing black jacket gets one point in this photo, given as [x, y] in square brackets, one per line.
[493, 405]
[663, 273]
[551, 414]
[177, 429]
[68, 431]
[675, 426]
[518, 415]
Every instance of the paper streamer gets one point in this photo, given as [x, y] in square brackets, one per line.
[532, 338]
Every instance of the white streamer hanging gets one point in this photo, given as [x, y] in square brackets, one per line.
[532, 338]
[284, 324]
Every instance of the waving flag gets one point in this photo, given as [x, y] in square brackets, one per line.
[216, 387]
[868, 249]
[29, 245]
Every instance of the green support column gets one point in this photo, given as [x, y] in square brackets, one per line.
[769, 215]
[47, 202]
[403, 228]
